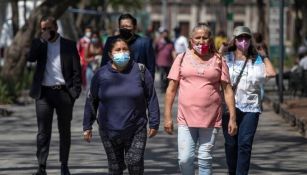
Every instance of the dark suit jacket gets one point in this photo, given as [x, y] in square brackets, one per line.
[70, 63]
[141, 50]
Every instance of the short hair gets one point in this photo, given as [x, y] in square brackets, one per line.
[205, 27]
[202, 26]
[49, 18]
[127, 16]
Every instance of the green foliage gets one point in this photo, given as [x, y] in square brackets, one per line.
[10, 92]
[5, 98]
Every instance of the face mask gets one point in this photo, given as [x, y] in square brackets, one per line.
[94, 40]
[88, 34]
[201, 49]
[121, 59]
[125, 33]
[243, 44]
[52, 35]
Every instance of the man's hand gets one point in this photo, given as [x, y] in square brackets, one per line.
[152, 132]
[87, 135]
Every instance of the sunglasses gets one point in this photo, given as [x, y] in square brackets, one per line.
[243, 37]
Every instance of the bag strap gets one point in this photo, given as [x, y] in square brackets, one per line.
[142, 75]
[181, 60]
[235, 85]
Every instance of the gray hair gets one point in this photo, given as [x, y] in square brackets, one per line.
[201, 26]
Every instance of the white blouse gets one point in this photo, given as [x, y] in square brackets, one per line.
[249, 92]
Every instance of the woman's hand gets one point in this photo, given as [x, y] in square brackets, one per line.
[169, 100]
[152, 132]
[87, 135]
[232, 127]
[168, 126]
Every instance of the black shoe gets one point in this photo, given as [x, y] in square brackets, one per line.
[40, 171]
[64, 170]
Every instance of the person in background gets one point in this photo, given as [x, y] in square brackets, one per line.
[198, 74]
[141, 48]
[242, 56]
[220, 39]
[92, 56]
[165, 55]
[56, 85]
[120, 89]
[302, 52]
[82, 45]
[181, 42]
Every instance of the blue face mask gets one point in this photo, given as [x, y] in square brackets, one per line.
[121, 59]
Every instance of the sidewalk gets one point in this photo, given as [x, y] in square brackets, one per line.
[278, 148]
[293, 110]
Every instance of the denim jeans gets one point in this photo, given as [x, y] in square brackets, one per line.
[89, 76]
[238, 148]
[187, 142]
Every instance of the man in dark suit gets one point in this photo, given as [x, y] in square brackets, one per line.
[141, 49]
[56, 85]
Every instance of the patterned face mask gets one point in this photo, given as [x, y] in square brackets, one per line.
[201, 49]
[243, 44]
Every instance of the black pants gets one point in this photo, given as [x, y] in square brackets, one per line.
[128, 152]
[163, 77]
[59, 100]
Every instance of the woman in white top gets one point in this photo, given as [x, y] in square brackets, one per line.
[242, 55]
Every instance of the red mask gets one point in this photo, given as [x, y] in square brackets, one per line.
[201, 49]
[204, 48]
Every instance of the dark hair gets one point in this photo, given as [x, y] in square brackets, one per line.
[127, 16]
[115, 41]
[258, 37]
[95, 32]
[49, 18]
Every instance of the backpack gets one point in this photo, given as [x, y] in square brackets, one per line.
[142, 69]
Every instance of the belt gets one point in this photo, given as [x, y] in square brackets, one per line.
[55, 87]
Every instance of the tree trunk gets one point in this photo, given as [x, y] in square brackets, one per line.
[304, 20]
[79, 20]
[69, 27]
[297, 27]
[15, 16]
[15, 55]
[262, 27]
[3, 7]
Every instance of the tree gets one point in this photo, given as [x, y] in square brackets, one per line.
[15, 55]
[262, 25]
[300, 7]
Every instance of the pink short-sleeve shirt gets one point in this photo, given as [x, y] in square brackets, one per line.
[199, 97]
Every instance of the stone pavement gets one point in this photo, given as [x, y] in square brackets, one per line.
[278, 148]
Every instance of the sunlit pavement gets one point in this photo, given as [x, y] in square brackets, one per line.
[278, 148]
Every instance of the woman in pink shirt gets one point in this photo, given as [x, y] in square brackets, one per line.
[198, 74]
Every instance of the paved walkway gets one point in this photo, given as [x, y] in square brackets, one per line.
[278, 148]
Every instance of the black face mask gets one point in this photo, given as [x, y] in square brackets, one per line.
[52, 35]
[126, 33]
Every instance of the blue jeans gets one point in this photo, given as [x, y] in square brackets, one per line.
[89, 75]
[187, 142]
[238, 148]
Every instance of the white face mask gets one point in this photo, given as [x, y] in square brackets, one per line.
[88, 34]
